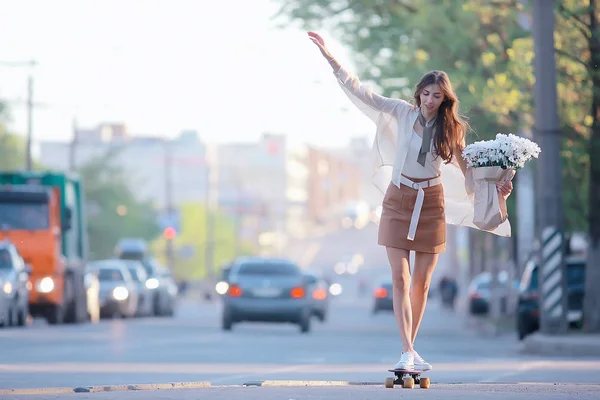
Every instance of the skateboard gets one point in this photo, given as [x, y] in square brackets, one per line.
[407, 378]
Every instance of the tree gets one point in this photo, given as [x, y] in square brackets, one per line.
[592, 298]
[113, 211]
[12, 147]
[393, 39]
[584, 41]
[489, 58]
[192, 239]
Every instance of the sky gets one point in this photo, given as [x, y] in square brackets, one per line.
[162, 67]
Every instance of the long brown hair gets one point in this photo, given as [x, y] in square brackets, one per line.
[452, 127]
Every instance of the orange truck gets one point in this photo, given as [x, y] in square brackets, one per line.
[43, 215]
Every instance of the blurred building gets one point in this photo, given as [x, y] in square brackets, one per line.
[334, 184]
[360, 152]
[145, 159]
[274, 192]
[263, 185]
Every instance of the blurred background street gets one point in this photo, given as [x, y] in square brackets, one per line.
[186, 194]
[352, 344]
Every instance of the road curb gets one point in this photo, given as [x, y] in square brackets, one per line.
[574, 345]
[107, 388]
[274, 383]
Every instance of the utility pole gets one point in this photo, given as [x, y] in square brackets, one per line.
[591, 301]
[209, 221]
[28, 161]
[73, 146]
[550, 224]
[29, 133]
[169, 209]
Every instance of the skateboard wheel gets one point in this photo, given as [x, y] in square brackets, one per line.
[408, 382]
[424, 383]
[389, 383]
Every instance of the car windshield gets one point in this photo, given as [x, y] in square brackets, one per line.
[259, 268]
[134, 274]
[30, 216]
[110, 275]
[576, 273]
[151, 266]
[5, 259]
[533, 284]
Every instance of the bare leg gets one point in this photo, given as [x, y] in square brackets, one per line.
[424, 265]
[401, 294]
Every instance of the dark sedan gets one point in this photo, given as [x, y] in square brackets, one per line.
[528, 306]
[267, 290]
[383, 297]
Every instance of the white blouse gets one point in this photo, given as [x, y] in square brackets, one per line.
[412, 168]
[394, 120]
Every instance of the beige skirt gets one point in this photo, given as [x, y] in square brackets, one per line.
[398, 205]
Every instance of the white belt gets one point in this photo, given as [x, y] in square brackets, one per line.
[418, 186]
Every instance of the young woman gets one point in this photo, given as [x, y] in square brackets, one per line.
[420, 169]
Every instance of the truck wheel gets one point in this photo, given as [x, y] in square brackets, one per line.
[22, 315]
[80, 299]
[55, 314]
[13, 317]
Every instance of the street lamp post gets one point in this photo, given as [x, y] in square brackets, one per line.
[551, 271]
[31, 63]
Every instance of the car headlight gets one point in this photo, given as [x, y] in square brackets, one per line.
[45, 285]
[152, 283]
[222, 287]
[120, 293]
[7, 287]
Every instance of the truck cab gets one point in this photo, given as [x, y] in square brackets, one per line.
[42, 214]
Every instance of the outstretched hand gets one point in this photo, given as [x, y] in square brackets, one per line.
[318, 40]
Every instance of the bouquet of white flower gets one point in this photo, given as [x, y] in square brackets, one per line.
[506, 151]
[494, 161]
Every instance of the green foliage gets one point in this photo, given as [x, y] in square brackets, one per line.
[107, 193]
[486, 49]
[193, 236]
[12, 147]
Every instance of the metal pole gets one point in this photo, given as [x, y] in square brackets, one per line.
[169, 201]
[28, 163]
[550, 224]
[72, 149]
[209, 239]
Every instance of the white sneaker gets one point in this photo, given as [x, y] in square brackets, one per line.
[420, 363]
[407, 361]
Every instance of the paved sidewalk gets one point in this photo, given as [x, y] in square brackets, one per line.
[573, 345]
[328, 390]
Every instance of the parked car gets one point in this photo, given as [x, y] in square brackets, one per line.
[118, 291]
[318, 289]
[479, 292]
[14, 286]
[267, 290]
[145, 305]
[382, 297]
[528, 305]
[160, 281]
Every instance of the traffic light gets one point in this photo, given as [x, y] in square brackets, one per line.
[169, 233]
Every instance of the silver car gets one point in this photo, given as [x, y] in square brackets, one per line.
[14, 286]
[118, 291]
[145, 294]
[267, 290]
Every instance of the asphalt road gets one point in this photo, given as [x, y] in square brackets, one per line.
[352, 345]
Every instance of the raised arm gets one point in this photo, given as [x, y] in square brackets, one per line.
[361, 94]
